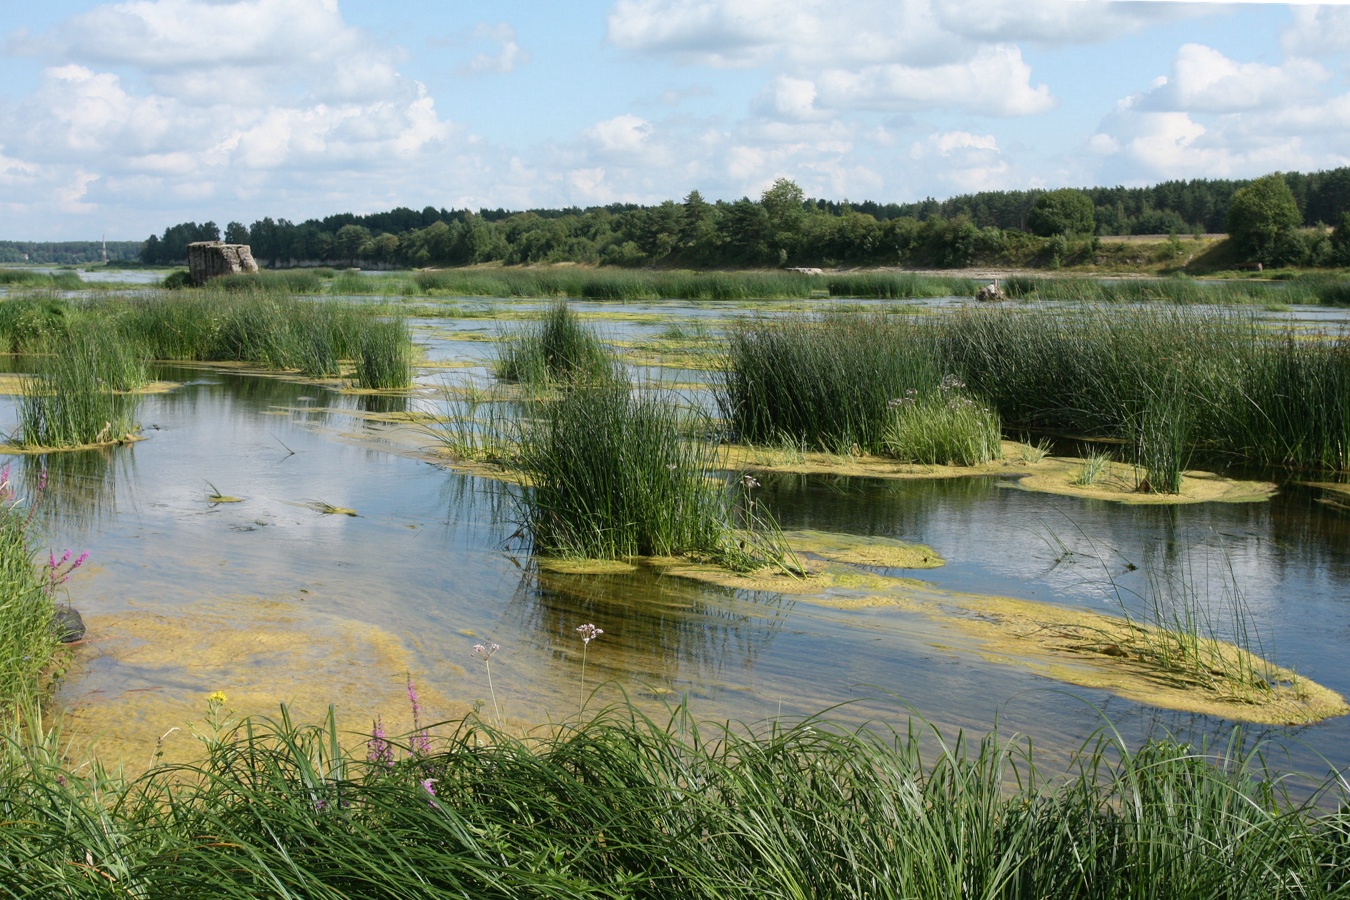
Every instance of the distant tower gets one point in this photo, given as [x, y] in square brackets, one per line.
[105, 249]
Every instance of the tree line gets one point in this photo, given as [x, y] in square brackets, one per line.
[67, 253]
[785, 228]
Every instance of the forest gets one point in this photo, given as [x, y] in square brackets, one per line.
[785, 228]
[67, 253]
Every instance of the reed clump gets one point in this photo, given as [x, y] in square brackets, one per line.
[559, 349]
[1172, 383]
[942, 427]
[80, 392]
[823, 381]
[384, 355]
[615, 473]
[263, 327]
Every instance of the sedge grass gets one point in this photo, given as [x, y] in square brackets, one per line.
[620, 804]
[824, 382]
[1095, 464]
[942, 427]
[28, 642]
[78, 392]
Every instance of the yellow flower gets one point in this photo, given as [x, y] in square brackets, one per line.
[217, 697]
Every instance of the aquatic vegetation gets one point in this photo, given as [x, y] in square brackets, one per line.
[1172, 383]
[824, 382]
[685, 810]
[78, 393]
[942, 427]
[615, 473]
[557, 350]
[29, 320]
[1094, 464]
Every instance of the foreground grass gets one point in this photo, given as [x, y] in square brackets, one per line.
[620, 805]
[27, 642]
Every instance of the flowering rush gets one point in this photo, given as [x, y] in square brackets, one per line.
[485, 651]
[589, 632]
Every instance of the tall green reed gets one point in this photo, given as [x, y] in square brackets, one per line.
[616, 473]
[825, 382]
[78, 393]
[28, 642]
[384, 355]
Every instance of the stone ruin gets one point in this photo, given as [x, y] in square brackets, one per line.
[211, 259]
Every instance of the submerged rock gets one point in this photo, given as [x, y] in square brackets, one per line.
[68, 625]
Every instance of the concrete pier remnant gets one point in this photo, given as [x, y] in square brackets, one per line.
[211, 259]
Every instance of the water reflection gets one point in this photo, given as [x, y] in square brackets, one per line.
[78, 488]
[663, 631]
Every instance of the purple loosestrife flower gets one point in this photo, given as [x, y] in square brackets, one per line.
[378, 749]
[421, 741]
[429, 785]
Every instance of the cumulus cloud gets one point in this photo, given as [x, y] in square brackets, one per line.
[1317, 31]
[625, 136]
[969, 162]
[1204, 80]
[1213, 116]
[214, 98]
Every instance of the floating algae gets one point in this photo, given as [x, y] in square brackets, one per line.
[155, 669]
[1118, 482]
[861, 550]
[1075, 646]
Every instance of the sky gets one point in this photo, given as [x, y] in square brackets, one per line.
[119, 119]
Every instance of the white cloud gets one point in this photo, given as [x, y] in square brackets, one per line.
[946, 143]
[1215, 117]
[148, 102]
[995, 83]
[1317, 31]
[790, 99]
[625, 135]
[1204, 80]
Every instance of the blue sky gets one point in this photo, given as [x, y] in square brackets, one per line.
[121, 118]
